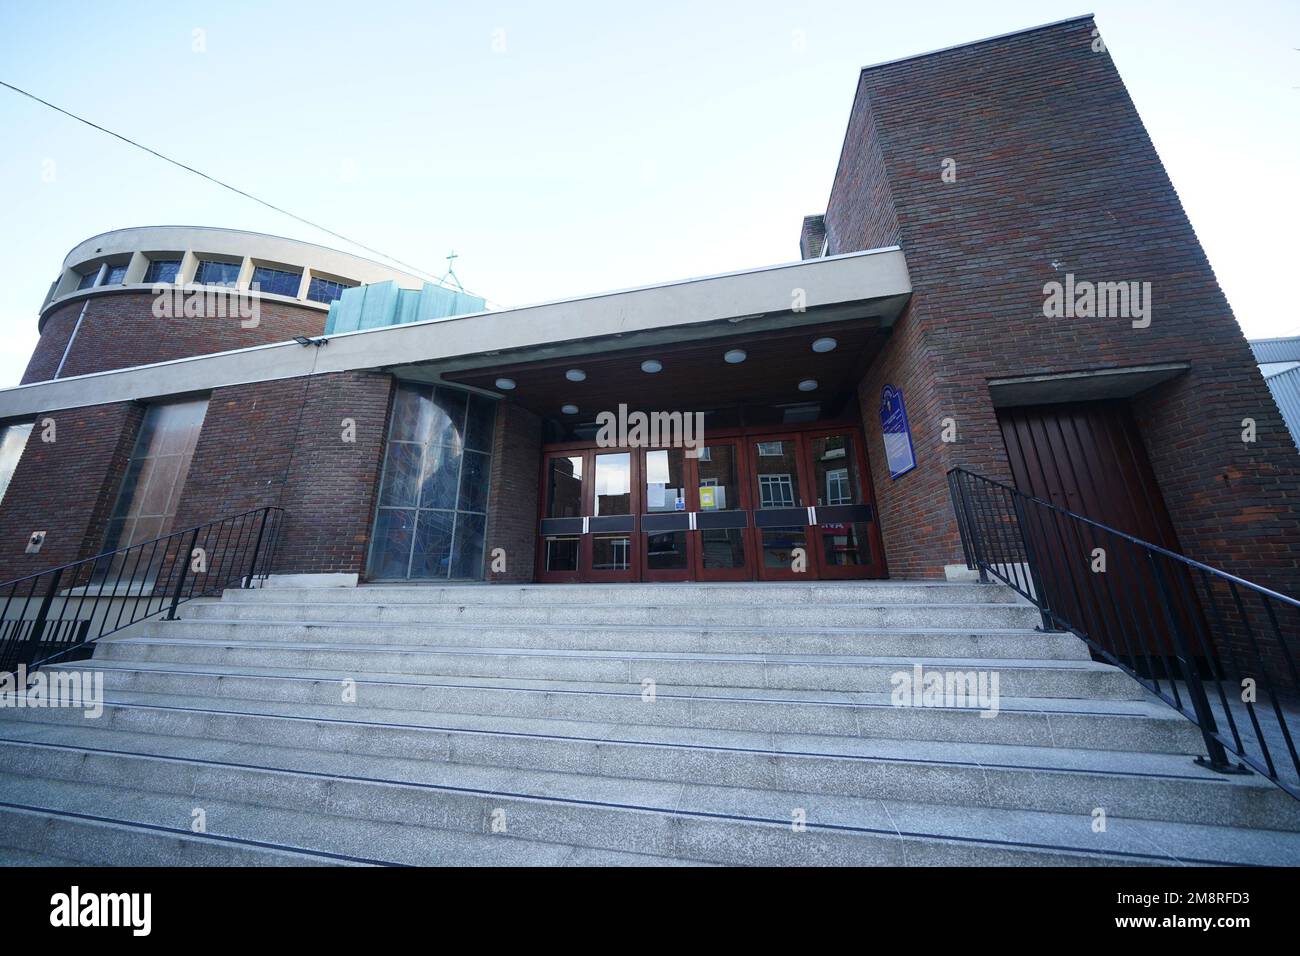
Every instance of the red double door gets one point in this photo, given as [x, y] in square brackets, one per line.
[780, 506]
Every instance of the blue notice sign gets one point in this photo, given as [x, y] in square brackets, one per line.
[899, 452]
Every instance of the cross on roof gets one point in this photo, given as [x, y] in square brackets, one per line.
[451, 271]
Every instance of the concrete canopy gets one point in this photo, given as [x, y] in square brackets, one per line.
[872, 284]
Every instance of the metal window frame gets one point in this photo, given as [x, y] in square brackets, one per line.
[150, 278]
[416, 509]
[202, 263]
[295, 276]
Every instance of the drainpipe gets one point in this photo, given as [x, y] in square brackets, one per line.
[67, 349]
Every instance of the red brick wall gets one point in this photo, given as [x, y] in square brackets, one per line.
[242, 461]
[861, 213]
[915, 523]
[66, 487]
[330, 493]
[1055, 174]
[512, 500]
[281, 444]
[120, 330]
[266, 444]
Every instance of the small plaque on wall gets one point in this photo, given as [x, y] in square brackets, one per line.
[899, 452]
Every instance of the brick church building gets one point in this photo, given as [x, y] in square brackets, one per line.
[1003, 279]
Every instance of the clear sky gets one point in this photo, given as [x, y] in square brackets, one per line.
[569, 148]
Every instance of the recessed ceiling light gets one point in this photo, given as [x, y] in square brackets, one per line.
[576, 375]
[505, 384]
[735, 356]
[652, 366]
[569, 409]
[808, 385]
[825, 345]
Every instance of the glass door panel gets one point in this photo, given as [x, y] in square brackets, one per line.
[613, 474]
[564, 487]
[666, 522]
[721, 519]
[845, 536]
[562, 518]
[781, 514]
[610, 554]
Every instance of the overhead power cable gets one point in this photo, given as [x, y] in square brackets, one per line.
[235, 189]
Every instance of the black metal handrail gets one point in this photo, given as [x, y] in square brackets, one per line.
[54, 614]
[1218, 648]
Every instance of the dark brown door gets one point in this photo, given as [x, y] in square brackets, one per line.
[1088, 458]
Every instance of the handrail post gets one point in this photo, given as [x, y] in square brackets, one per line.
[1031, 559]
[977, 551]
[257, 547]
[42, 615]
[1217, 756]
[962, 530]
[180, 578]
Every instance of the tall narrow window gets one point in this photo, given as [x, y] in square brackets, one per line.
[155, 475]
[13, 439]
[432, 516]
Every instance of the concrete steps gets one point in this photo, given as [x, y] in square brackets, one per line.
[892, 642]
[46, 835]
[412, 740]
[1016, 678]
[974, 615]
[1098, 725]
[545, 814]
[1056, 779]
[822, 592]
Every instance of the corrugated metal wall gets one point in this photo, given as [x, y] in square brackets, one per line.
[1285, 387]
[1276, 350]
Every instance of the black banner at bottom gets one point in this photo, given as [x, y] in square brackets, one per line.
[213, 906]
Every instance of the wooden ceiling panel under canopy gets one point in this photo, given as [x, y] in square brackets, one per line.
[695, 375]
